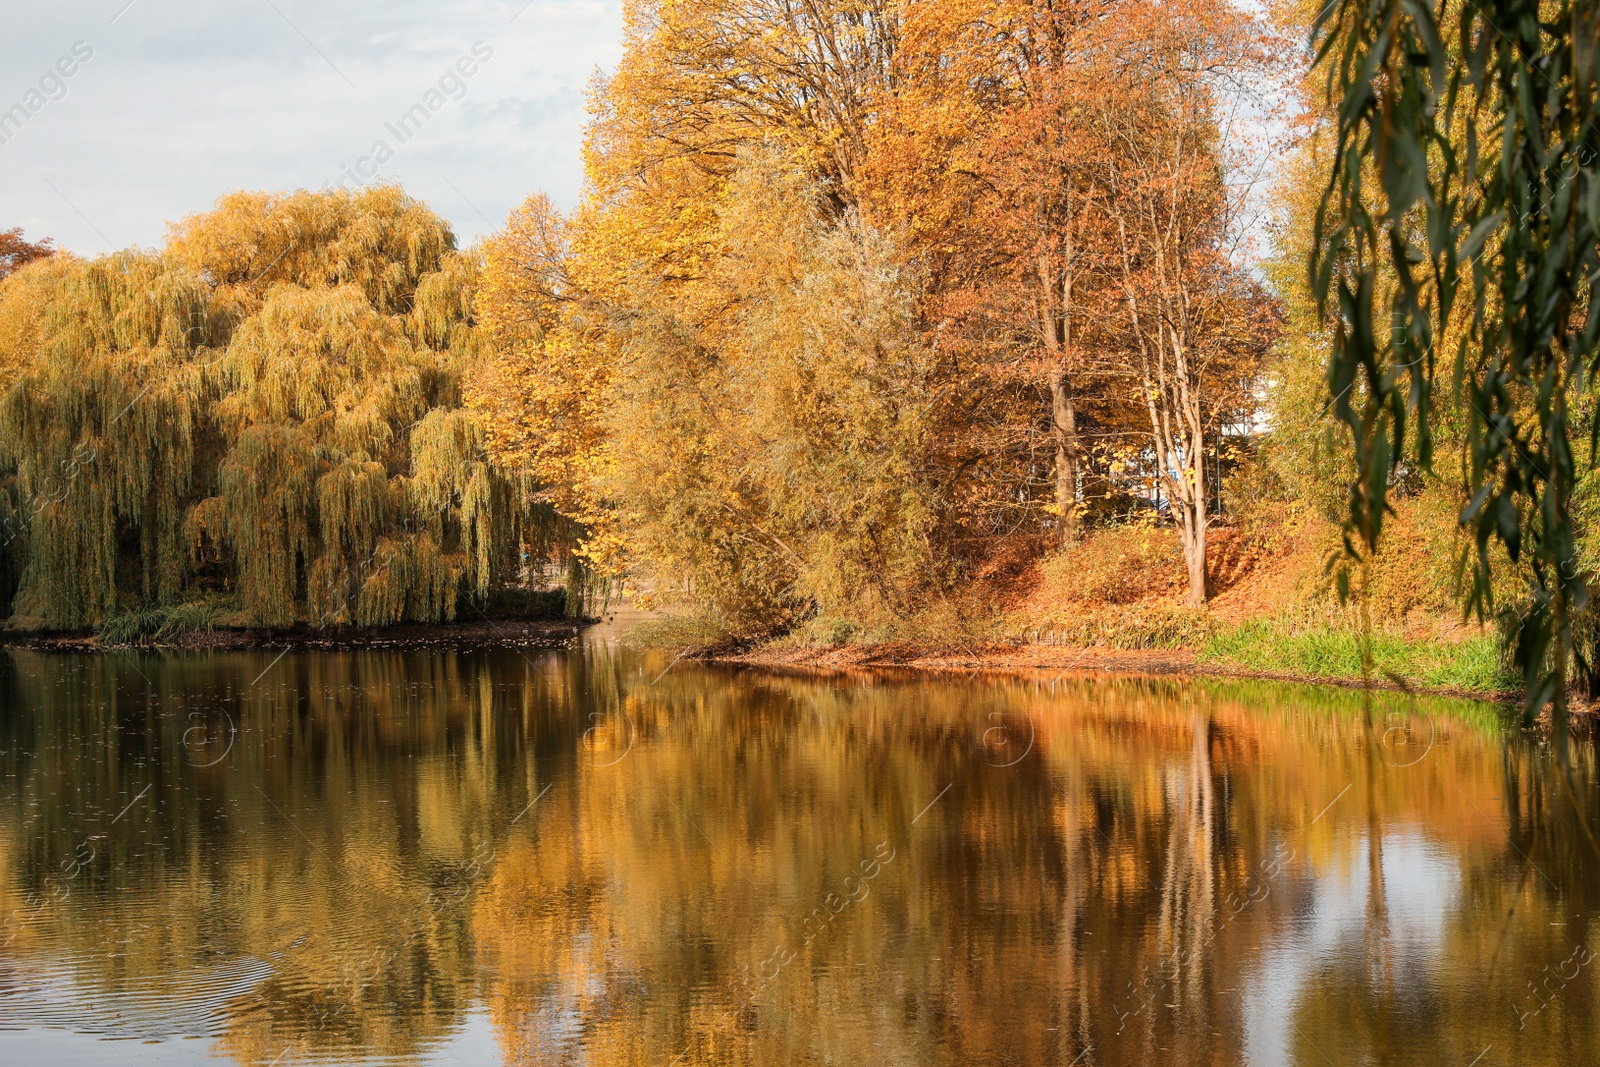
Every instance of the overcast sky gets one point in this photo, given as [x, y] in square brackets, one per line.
[181, 101]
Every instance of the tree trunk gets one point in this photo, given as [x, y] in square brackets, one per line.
[1065, 422]
[1195, 522]
[1055, 306]
[1194, 555]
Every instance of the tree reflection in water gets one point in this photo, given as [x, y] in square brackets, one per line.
[376, 855]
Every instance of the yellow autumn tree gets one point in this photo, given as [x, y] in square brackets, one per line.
[266, 416]
[898, 212]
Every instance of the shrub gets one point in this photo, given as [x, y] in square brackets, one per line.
[155, 625]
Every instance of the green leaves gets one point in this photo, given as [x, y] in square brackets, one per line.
[1530, 213]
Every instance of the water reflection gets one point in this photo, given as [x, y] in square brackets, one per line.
[573, 857]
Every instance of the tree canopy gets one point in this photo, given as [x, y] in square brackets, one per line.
[1461, 219]
[266, 414]
[17, 251]
[863, 294]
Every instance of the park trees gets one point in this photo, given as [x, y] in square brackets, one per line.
[17, 251]
[1194, 316]
[267, 415]
[855, 280]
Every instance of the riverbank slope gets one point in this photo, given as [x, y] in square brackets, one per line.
[1174, 662]
[1115, 602]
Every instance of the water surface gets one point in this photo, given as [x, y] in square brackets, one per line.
[570, 857]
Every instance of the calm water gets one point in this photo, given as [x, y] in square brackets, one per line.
[554, 858]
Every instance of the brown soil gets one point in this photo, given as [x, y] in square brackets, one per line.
[853, 657]
[1254, 578]
[1179, 663]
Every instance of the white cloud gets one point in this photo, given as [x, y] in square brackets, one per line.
[185, 101]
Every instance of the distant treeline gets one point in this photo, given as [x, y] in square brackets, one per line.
[264, 417]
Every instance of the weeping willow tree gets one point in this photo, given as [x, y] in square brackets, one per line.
[1466, 140]
[267, 412]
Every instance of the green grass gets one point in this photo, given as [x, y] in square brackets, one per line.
[1328, 651]
[152, 626]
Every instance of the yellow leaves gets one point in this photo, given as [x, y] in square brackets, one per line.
[24, 303]
[543, 381]
[378, 239]
[817, 272]
[273, 404]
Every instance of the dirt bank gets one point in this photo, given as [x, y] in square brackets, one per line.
[1009, 658]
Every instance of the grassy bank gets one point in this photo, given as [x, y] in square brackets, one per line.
[1114, 601]
[1259, 648]
[1469, 664]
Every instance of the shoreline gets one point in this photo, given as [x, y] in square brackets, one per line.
[1166, 663]
[502, 633]
[466, 635]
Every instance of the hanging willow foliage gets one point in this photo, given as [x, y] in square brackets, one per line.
[1466, 142]
[269, 410]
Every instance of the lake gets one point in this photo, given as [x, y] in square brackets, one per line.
[600, 856]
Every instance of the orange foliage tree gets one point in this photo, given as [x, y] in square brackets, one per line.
[1046, 191]
[16, 251]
